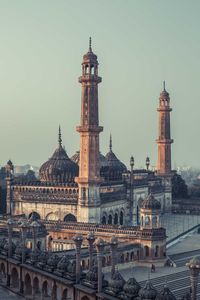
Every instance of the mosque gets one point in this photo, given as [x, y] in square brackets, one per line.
[90, 187]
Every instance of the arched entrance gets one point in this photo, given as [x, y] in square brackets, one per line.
[27, 285]
[45, 289]
[36, 289]
[54, 292]
[14, 279]
[34, 216]
[64, 295]
[70, 218]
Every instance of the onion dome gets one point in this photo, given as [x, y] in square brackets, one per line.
[90, 56]
[63, 264]
[2, 243]
[148, 292]
[102, 160]
[53, 261]
[151, 203]
[92, 275]
[9, 167]
[114, 168]
[59, 168]
[132, 287]
[116, 283]
[6, 246]
[34, 255]
[165, 294]
[43, 257]
[71, 268]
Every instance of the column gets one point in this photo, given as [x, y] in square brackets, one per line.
[100, 248]
[10, 224]
[90, 239]
[113, 248]
[78, 239]
[194, 267]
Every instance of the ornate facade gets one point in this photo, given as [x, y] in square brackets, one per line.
[91, 187]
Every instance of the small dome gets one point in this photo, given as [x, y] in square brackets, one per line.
[59, 168]
[117, 282]
[165, 294]
[148, 292]
[90, 56]
[92, 275]
[151, 203]
[53, 260]
[63, 263]
[114, 168]
[132, 287]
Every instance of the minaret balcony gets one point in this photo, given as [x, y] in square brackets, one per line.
[89, 128]
[164, 141]
[89, 78]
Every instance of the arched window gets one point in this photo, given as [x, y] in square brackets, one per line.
[147, 220]
[103, 220]
[146, 251]
[70, 218]
[116, 219]
[157, 251]
[110, 219]
[121, 219]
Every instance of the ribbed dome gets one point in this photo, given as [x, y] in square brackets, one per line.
[151, 203]
[90, 56]
[165, 294]
[148, 292]
[59, 168]
[114, 168]
[132, 287]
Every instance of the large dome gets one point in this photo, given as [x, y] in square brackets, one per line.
[59, 168]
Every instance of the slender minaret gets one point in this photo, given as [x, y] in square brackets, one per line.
[89, 129]
[164, 142]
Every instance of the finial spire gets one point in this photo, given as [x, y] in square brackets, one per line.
[90, 44]
[110, 146]
[164, 85]
[59, 137]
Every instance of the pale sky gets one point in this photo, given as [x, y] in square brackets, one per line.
[139, 44]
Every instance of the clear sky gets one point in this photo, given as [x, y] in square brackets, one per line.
[139, 44]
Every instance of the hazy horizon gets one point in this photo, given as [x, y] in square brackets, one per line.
[138, 43]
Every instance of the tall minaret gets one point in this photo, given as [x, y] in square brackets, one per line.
[89, 129]
[164, 142]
